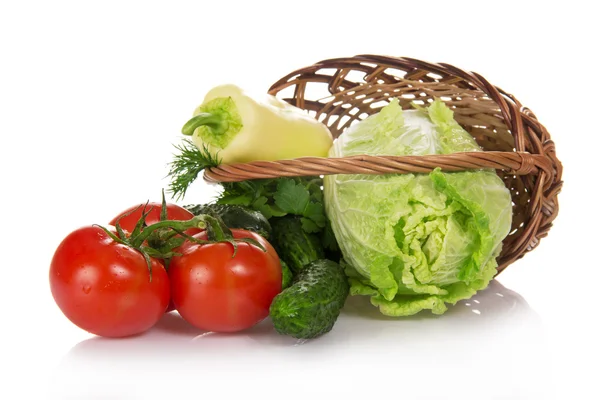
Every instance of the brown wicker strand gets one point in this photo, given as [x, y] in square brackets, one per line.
[516, 163]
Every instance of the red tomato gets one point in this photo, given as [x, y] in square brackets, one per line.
[104, 287]
[174, 212]
[217, 292]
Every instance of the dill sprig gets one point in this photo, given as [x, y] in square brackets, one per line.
[187, 164]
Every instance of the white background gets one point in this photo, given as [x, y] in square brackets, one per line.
[92, 96]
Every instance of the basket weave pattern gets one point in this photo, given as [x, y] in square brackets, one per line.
[342, 91]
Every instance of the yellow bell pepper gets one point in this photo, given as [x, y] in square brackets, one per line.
[237, 127]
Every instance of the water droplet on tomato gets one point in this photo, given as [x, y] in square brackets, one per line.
[87, 289]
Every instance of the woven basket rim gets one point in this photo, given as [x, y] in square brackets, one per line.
[517, 163]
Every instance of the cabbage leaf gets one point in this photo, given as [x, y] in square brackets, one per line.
[416, 241]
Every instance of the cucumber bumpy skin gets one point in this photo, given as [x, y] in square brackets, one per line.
[294, 246]
[286, 275]
[312, 304]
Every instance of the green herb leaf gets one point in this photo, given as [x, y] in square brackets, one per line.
[328, 238]
[236, 199]
[277, 212]
[279, 197]
[260, 202]
[261, 205]
[291, 197]
[309, 226]
[187, 164]
[315, 212]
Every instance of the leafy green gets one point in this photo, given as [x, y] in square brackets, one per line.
[416, 241]
[187, 164]
[291, 197]
[300, 196]
[330, 243]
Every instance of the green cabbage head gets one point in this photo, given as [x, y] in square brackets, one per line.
[416, 241]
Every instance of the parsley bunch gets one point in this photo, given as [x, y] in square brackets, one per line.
[300, 196]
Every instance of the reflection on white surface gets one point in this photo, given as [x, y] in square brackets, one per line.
[491, 346]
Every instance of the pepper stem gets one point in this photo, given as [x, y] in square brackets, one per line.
[215, 122]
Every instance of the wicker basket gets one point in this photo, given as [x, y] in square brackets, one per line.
[341, 91]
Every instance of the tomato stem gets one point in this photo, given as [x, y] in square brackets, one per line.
[161, 238]
[216, 230]
[196, 222]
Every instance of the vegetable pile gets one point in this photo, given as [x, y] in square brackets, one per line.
[291, 249]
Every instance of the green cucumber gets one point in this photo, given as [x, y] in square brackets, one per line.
[312, 304]
[235, 216]
[295, 246]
